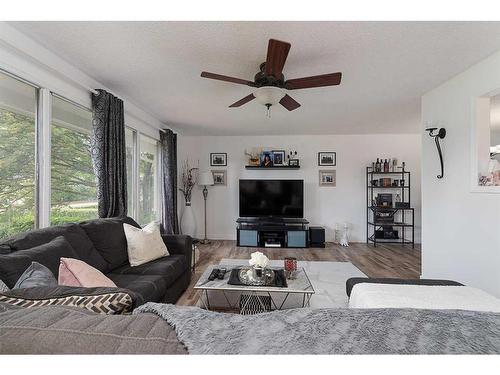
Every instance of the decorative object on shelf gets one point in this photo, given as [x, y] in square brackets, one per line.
[292, 155]
[394, 165]
[290, 264]
[327, 159]
[328, 178]
[188, 181]
[253, 157]
[205, 179]
[384, 200]
[278, 157]
[266, 159]
[218, 159]
[341, 234]
[441, 133]
[294, 162]
[219, 177]
[385, 182]
[402, 182]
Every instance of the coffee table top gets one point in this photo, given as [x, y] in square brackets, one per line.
[301, 283]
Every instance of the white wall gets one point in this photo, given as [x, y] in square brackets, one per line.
[461, 229]
[323, 205]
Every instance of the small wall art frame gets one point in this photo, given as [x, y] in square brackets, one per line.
[218, 159]
[328, 178]
[327, 159]
[220, 177]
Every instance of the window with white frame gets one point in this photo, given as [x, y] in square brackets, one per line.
[73, 192]
[18, 102]
[148, 179]
[46, 167]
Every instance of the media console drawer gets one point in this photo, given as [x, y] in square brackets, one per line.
[248, 237]
[297, 238]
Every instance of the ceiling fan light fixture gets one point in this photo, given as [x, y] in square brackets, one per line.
[269, 95]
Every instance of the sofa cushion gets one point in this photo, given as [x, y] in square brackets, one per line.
[151, 288]
[35, 275]
[144, 245]
[109, 239]
[75, 235]
[14, 264]
[170, 268]
[74, 272]
[100, 300]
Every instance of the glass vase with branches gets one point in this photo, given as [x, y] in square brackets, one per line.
[188, 180]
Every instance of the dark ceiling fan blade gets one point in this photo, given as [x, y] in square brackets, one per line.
[331, 79]
[289, 103]
[277, 52]
[245, 100]
[227, 79]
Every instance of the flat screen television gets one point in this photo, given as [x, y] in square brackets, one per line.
[272, 198]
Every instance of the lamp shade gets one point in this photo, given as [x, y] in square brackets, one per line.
[206, 178]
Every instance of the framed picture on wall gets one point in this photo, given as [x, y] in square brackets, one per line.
[220, 177]
[327, 159]
[218, 159]
[328, 178]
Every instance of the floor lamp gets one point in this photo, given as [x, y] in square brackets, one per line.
[205, 179]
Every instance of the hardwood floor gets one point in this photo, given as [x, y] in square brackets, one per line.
[382, 261]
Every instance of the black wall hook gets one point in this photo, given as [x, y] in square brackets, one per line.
[439, 135]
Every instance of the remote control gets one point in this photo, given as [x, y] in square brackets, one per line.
[222, 272]
[214, 274]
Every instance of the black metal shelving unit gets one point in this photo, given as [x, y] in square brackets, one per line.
[403, 218]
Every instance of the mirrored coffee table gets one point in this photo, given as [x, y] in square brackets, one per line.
[219, 295]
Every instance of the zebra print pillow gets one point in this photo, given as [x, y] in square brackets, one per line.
[99, 300]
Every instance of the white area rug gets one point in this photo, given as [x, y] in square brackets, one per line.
[327, 278]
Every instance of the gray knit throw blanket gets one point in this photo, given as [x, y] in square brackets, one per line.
[333, 331]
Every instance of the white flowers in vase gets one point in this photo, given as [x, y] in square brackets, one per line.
[257, 259]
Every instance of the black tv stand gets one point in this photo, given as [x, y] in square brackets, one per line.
[272, 232]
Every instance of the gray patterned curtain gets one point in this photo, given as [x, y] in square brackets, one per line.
[168, 144]
[108, 154]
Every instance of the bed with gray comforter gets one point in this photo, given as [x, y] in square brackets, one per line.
[167, 329]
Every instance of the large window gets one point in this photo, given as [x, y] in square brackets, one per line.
[46, 172]
[17, 156]
[73, 186]
[148, 200]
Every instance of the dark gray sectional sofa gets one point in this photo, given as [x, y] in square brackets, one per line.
[102, 244]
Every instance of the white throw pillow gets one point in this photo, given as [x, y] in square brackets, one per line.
[144, 245]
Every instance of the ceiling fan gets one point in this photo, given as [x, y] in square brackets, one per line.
[270, 81]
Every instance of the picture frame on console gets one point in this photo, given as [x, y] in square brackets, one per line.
[328, 178]
[327, 159]
[293, 162]
[220, 177]
[278, 157]
[218, 159]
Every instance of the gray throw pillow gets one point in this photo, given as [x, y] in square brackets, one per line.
[3, 287]
[36, 275]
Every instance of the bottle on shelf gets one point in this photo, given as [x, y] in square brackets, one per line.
[377, 166]
[386, 166]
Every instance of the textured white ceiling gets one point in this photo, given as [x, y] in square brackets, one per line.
[386, 67]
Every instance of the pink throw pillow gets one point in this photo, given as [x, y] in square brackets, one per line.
[74, 272]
